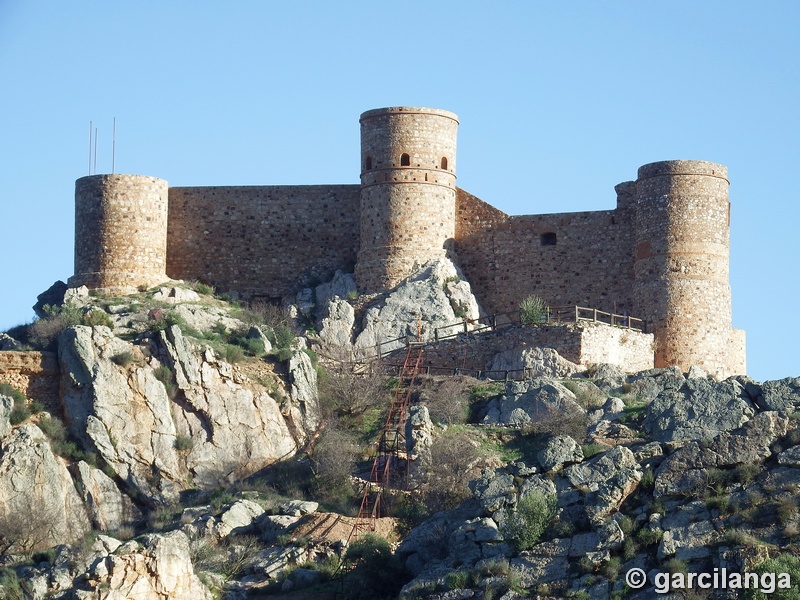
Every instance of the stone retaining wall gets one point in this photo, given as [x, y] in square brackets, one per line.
[36, 374]
[583, 343]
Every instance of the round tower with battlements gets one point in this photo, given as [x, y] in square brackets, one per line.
[408, 192]
[681, 264]
[120, 232]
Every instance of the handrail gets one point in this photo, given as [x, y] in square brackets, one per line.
[553, 315]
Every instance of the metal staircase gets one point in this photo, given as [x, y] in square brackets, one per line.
[389, 467]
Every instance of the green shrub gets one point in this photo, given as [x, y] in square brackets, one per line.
[53, 428]
[204, 288]
[96, 317]
[165, 375]
[283, 354]
[458, 580]
[9, 390]
[20, 412]
[746, 473]
[629, 548]
[590, 450]
[532, 310]
[533, 516]
[611, 568]
[232, 354]
[123, 359]
[183, 443]
[61, 442]
[11, 585]
[171, 318]
[283, 336]
[378, 574]
[786, 510]
[783, 563]
[649, 537]
[648, 481]
[625, 524]
[43, 333]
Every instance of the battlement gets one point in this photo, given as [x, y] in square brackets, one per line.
[662, 253]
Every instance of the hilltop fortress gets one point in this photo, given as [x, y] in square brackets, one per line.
[661, 255]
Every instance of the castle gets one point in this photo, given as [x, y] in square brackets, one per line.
[661, 255]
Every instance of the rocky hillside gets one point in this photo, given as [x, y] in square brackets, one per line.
[198, 448]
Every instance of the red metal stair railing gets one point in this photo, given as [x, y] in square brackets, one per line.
[388, 459]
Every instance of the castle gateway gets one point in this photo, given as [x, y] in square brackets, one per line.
[662, 254]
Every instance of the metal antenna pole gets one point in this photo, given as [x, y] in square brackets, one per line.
[114, 147]
[95, 150]
[90, 147]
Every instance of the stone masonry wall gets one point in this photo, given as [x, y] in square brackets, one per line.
[629, 349]
[682, 250]
[408, 192]
[568, 259]
[120, 231]
[34, 373]
[261, 240]
[584, 344]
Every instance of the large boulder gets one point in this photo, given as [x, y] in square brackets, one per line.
[9, 343]
[425, 295]
[336, 327]
[529, 401]
[109, 509]
[6, 406]
[175, 295]
[544, 563]
[699, 409]
[559, 451]
[494, 489]
[204, 318]
[235, 427]
[52, 296]
[39, 505]
[782, 394]
[125, 416]
[159, 568]
[536, 362]
[430, 546]
[684, 472]
[606, 480]
[303, 407]
[343, 285]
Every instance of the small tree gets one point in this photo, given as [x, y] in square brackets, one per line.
[532, 311]
[448, 400]
[449, 467]
[334, 459]
[344, 392]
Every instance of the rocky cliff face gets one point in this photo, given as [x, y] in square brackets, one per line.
[230, 428]
[558, 485]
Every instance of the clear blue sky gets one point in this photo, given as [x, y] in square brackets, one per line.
[558, 101]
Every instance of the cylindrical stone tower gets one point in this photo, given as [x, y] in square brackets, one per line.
[120, 232]
[408, 192]
[681, 265]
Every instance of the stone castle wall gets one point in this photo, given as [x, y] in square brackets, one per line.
[661, 254]
[261, 240]
[568, 259]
